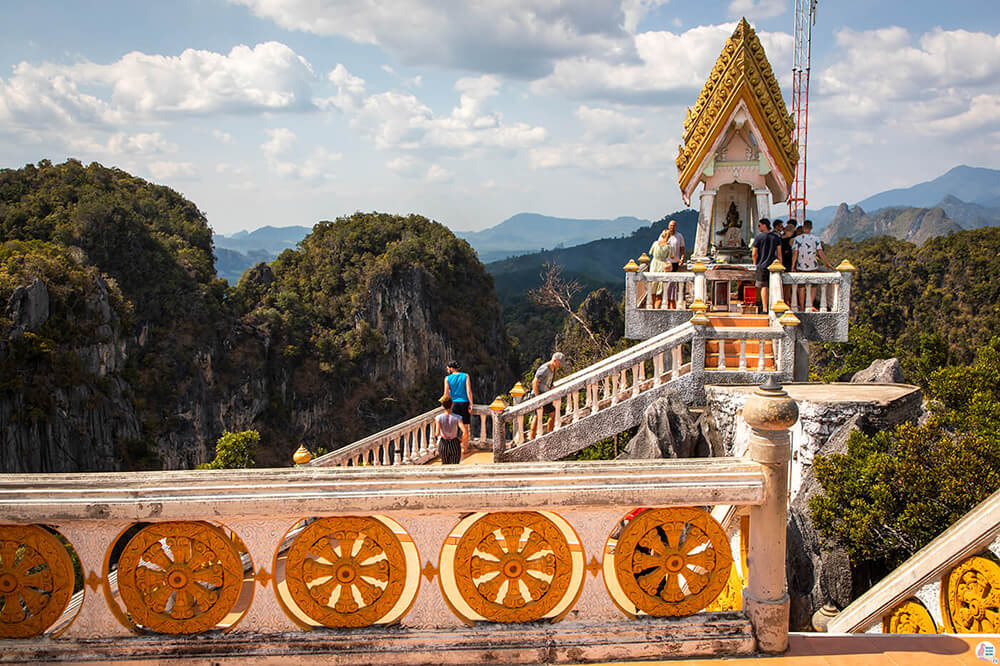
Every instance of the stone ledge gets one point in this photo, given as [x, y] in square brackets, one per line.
[702, 635]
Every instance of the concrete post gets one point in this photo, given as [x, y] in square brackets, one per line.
[703, 236]
[770, 413]
[763, 200]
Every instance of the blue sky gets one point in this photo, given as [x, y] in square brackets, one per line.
[287, 112]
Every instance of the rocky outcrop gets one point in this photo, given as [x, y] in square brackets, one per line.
[669, 431]
[910, 224]
[28, 308]
[817, 573]
[881, 371]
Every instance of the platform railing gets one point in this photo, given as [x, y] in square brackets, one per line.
[395, 564]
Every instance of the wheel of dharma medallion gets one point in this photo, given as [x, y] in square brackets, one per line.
[36, 580]
[179, 577]
[672, 562]
[909, 617]
[971, 597]
[513, 566]
[346, 571]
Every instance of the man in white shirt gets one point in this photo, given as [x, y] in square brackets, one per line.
[805, 249]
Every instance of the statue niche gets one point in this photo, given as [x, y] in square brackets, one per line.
[730, 230]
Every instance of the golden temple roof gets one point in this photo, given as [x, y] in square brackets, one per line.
[742, 72]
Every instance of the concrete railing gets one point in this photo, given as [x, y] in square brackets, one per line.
[598, 388]
[403, 564]
[949, 586]
[645, 282]
[408, 443]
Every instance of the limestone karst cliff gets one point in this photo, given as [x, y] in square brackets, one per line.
[120, 349]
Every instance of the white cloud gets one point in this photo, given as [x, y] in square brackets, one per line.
[757, 9]
[399, 120]
[438, 174]
[139, 86]
[607, 125]
[494, 36]
[223, 137]
[280, 140]
[120, 143]
[670, 69]
[173, 170]
[942, 81]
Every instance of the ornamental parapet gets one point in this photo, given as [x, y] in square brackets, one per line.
[595, 561]
[951, 585]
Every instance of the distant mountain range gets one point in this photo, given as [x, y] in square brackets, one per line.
[593, 264]
[963, 198]
[525, 233]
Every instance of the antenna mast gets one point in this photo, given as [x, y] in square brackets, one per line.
[805, 18]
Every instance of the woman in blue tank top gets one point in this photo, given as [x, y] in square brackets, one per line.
[458, 387]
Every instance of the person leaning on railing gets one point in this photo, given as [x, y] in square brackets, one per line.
[542, 382]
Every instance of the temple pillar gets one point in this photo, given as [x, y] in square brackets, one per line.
[703, 237]
[763, 204]
[770, 413]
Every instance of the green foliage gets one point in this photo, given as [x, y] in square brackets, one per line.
[894, 491]
[234, 450]
[929, 305]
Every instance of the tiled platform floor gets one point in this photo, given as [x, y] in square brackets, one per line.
[863, 650]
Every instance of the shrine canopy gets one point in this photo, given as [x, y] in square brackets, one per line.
[738, 139]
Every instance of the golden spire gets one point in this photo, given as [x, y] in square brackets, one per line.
[742, 72]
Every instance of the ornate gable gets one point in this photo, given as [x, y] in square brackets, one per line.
[742, 73]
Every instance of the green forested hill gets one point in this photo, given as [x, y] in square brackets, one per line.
[121, 349]
[930, 305]
[593, 265]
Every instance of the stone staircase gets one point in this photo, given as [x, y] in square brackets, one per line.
[602, 400]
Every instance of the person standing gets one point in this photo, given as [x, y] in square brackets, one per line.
[766, 246]
[675, 252]
[805, 249]
[542, 382]
[659, 262]
[446, 429]
[458, 387]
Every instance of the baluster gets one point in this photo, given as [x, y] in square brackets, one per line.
[558, 416]
[657, 369]
[794, 305]
[607, 386]
[721, 365]
[432, 444]
[743, 354]
[807, 306]
[615, 379]
[539, 422]
[822, 298]
[575, 402]
[519, 429]
[760, 354]
[835, 305]
[421, 442]
[375, 456]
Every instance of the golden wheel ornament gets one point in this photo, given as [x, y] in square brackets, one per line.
[672, 562]
[513, 566]
[909, 617]
[970, 597]
[179, 577]
[36, 580]
[347, 571]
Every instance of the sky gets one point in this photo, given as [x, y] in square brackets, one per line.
[287, 112]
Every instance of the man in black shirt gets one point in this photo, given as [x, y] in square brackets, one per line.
[766, 246]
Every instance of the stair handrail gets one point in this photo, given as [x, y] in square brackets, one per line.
[607, 367]
[663, 339]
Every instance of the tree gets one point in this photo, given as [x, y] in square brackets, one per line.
[557, 292]
[894, 491]
[234, 450]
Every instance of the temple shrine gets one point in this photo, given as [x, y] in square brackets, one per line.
[738, 144]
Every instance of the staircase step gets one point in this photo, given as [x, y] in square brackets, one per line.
[723, 319]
